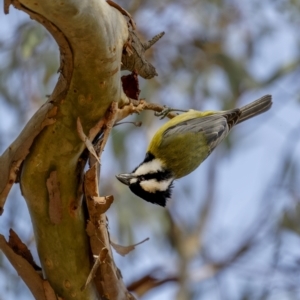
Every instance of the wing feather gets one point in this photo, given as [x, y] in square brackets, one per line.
[214, 127]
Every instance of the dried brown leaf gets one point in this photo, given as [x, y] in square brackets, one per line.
[103, 255]
[103, 207]
[90, 228]
[147, 283]
[99, 260]
[99, 200]
[91, 182]
[124, 250]
[130, 85]
[96, 129]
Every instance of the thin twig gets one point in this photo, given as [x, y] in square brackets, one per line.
[151, 42]
[151, 106]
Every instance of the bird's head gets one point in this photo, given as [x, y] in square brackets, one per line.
[150, 181]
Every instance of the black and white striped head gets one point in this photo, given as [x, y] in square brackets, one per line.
[150, 180]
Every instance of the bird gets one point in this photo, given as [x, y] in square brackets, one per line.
[181, 145]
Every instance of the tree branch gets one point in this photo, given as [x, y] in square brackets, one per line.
[26, 271]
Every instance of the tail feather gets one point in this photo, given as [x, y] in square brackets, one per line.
[255, 108]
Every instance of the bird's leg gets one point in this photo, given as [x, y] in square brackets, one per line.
[162, 114]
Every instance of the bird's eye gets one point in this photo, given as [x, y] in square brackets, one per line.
[142, 178]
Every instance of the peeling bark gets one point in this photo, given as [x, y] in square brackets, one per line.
[13, 157]
[55, 205]
[26, 271]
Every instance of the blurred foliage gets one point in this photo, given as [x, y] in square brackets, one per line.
[30, 61]
[291, 220]
[215, 54]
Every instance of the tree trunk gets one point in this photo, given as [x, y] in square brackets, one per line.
[90, 35]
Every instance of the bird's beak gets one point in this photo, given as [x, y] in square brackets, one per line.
[125, 178]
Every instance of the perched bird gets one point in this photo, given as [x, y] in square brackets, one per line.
[181, 145]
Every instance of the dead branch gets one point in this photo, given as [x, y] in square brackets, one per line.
[133, 57]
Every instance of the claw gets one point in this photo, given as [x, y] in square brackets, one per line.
[162, 114]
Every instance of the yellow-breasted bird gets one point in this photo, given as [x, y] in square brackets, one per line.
[181, 145]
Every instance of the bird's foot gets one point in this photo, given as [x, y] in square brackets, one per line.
[162, 114]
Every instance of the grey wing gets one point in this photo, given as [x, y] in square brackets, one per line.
[214, 127]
